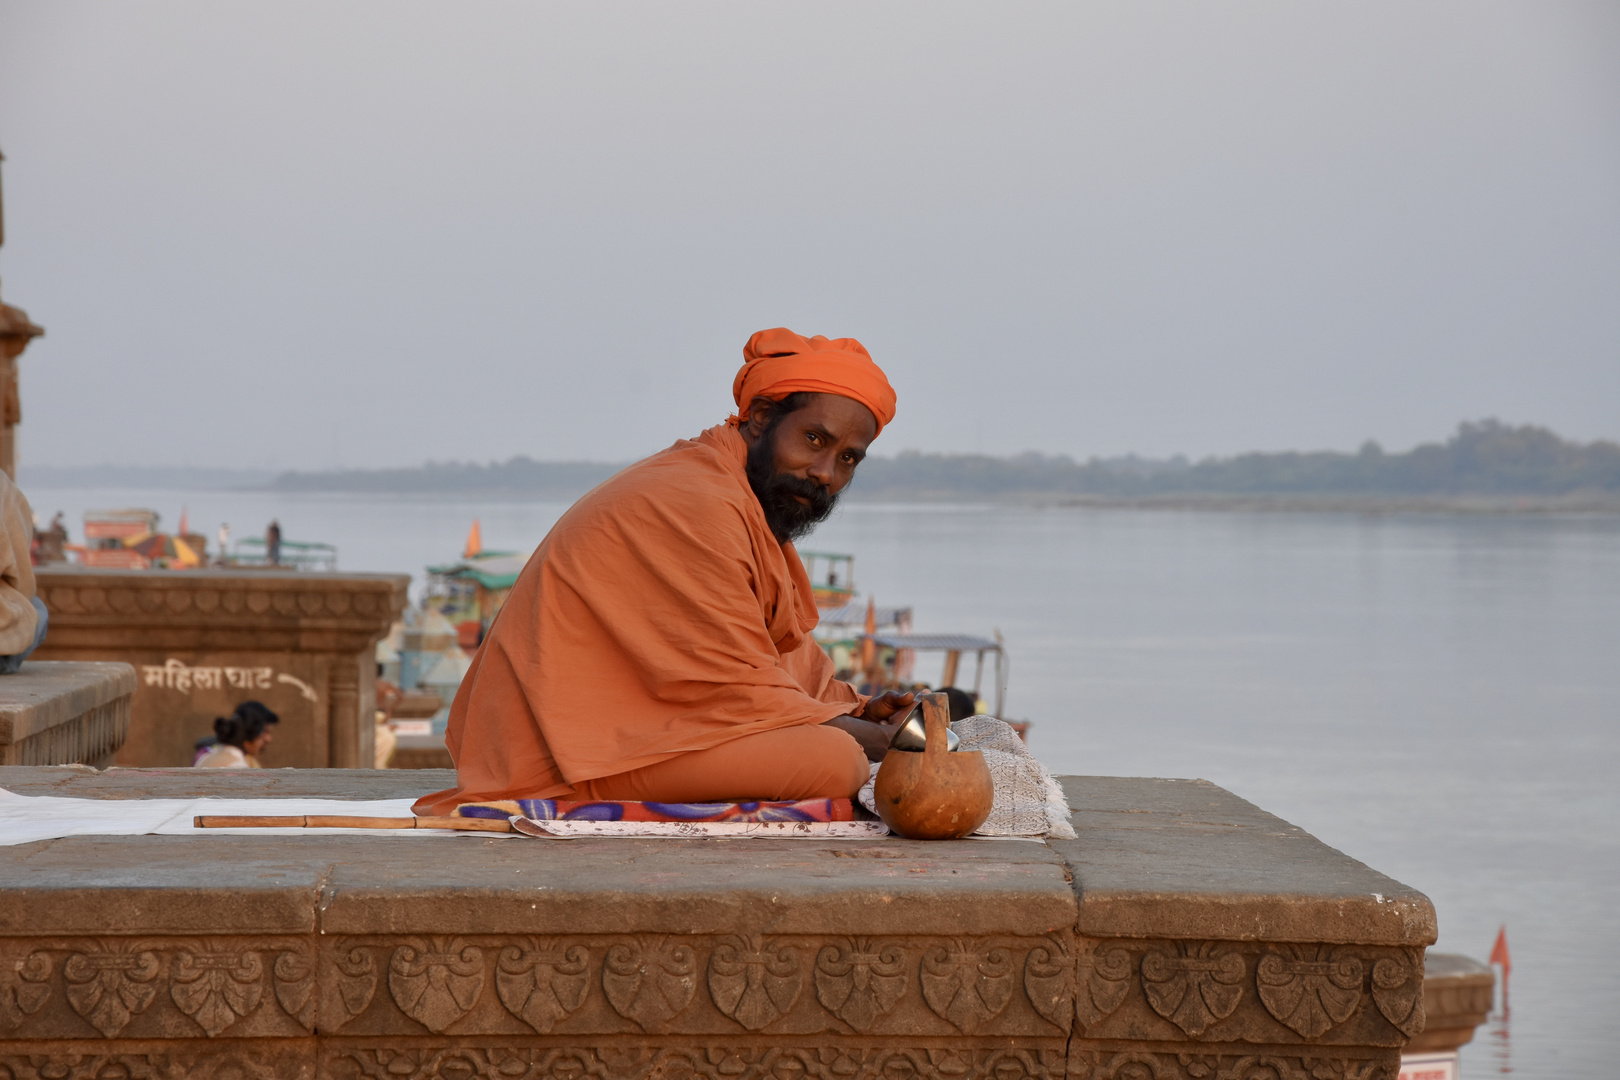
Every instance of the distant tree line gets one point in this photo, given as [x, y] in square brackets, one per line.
[1485, 458]
[521, 476]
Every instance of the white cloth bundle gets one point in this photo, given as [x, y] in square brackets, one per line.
[1028, 802]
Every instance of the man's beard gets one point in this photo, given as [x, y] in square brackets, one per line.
[788, 518]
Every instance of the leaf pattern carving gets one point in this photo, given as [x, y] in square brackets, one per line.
[108, 987]
[1310, 987]
[543, 983]
[356, 982]
[1193, 984]
[1049, 975]
[649, 980]
[1150, 1065]
[294, 977]
[1397, 989]
[966, 986]
[754, 982]
[436, 981]
[24, 987]
[861, 981]
[909, 1060]
[216, 989]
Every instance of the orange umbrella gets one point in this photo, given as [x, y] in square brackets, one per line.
[475, 542]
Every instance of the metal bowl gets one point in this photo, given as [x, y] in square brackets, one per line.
[912, 735]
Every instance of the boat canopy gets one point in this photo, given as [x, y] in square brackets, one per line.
[855, 615]
[942, 642]
[493, 570]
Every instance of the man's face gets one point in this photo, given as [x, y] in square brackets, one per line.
[799, 462]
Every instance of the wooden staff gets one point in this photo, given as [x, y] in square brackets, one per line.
[321, 821]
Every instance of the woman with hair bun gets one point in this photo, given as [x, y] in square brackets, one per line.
[242, 736]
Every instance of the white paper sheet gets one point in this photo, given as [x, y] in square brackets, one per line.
[26, 818]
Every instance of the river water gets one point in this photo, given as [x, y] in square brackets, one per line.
[1438, 696]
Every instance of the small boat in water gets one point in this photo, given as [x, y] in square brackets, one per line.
[876, 649]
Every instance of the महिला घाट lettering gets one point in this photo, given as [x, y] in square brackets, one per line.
[176, 675]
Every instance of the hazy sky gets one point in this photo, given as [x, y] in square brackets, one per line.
[317, 234]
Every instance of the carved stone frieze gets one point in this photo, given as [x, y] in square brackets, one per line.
[1310, 987]
[920, 1059]
[543, 980]
[1049, 980]
[231, 986]
[356, 982]
[260, 1059]
[110, 982]
[217, 597]
[294, 977]
[650, 980]
[1232, 991]
[24, 986]
[1193, 984]
[754, 981]
[966, 983]
[1270, 1064]
[698, 984]
[436, 981]
[860, 980]
[1397, 987]
[1083, 986]
[155, 987]
[216, 989]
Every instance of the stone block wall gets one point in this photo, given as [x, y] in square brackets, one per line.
[1186, 935]
[64, 713]
[202, 641]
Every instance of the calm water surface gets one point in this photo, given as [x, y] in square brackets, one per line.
[1438, 696]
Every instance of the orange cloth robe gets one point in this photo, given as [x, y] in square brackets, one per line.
[658, 617]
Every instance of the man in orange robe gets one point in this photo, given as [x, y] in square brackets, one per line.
[657, 645]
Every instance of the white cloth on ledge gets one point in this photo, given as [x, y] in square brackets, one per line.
[26, 818]
[1028, 801]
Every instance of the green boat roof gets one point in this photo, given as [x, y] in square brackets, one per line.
[492, 569]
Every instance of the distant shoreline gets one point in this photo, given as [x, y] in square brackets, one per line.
[1600, 503]
[1297, 502]
[1484, 468]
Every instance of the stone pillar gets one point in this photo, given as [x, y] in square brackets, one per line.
[15, 334]
[203, 641]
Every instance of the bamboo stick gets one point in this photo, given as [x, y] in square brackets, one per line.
[320, 821]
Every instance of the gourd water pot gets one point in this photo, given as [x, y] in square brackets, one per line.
[933, 794]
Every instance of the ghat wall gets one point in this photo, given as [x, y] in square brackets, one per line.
[1184, 934]
[203, 641]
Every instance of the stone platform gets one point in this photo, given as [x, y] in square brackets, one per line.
[1184, 934]
[64, 713]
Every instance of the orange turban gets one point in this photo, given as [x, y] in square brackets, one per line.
[779, 362]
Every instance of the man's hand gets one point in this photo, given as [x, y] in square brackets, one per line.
[874, 738]
[882, 708]
[875, 726]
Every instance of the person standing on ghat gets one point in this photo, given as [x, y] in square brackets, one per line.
[657, 645]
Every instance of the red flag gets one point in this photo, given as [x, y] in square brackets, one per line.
[1499, 953]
